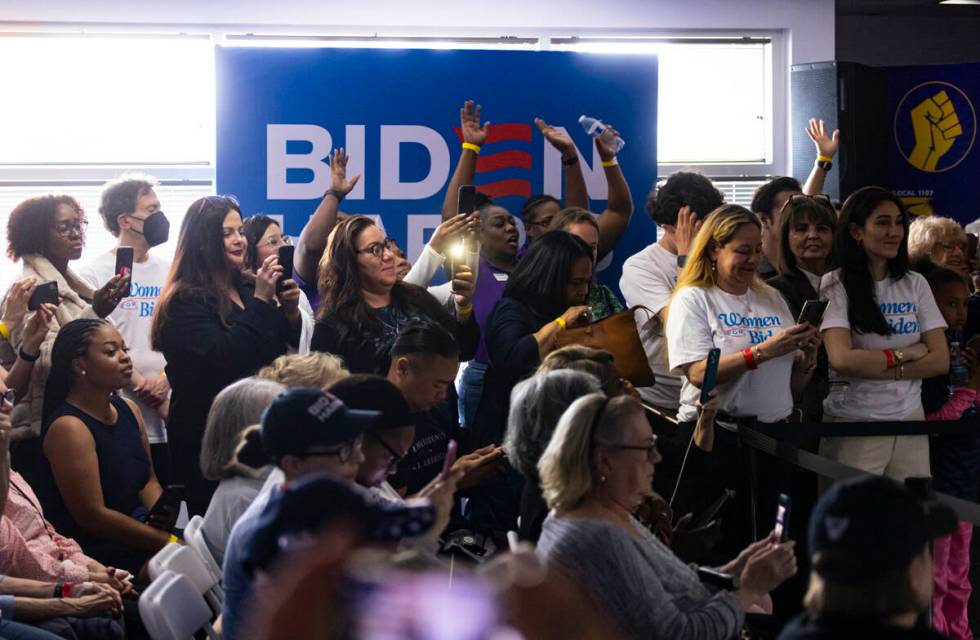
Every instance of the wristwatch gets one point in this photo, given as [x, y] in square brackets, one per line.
[825, 165]
[334, 193]
[899, 356]
[681, 261]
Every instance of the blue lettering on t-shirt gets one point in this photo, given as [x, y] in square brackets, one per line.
[900, 325]
[753, 325]
[142, 298]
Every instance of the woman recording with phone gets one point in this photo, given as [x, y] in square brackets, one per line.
[266, 239]
[47, 233]
[214, 327]
[720, 302]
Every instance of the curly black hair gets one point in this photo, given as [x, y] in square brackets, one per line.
[683, 189]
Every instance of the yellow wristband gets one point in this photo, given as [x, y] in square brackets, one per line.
[173, 538]
[561, 323]
[4, 331]
[610, 163]
[475, 148]
[464, 312]
[823, 158]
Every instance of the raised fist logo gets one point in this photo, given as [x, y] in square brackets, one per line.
[936, 127]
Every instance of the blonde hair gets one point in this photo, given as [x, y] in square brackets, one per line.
[928, 231]
[718, 229]
[565, 468]
[316, 369]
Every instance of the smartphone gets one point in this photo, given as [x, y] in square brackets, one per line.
[710, 374]
[46, 292]
[286, 252]
[165, 510]
[124, 261]
[467, 199]
[714, 508]
[812, 312]
[450, 460]
[785, 506]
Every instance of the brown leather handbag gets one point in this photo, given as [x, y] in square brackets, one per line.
[616, 334]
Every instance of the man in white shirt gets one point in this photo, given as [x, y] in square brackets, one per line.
[649, 277]
[131, 211]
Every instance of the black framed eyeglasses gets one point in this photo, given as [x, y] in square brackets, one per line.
[377, 249]
[394, 455]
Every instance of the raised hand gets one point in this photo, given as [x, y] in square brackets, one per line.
[469, 124]
[455, 226]
[686, 229]
[558, 138]
[266, 278]
[605, 143]
[826, 145]
[338, 172]
[37, 328]
[463, 286]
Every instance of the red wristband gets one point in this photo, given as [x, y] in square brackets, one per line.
[750, 358]
[889, 358]
[66, 590]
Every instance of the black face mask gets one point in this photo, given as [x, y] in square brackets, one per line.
[156, 229]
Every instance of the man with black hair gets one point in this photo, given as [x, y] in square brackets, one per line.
[872, 570]
[131, 211]
[649, 277]
[424, 361]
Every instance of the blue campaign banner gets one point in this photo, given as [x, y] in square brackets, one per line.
[934, 163]
[280, 111]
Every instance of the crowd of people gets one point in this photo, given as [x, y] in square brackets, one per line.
[354, 422]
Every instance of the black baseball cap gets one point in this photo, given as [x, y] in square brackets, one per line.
[305, 421]
[873, 525]
[311, 503]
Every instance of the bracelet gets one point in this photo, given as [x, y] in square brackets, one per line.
[464, 312]
[889, 358]
[4, 331]
[570, 161]
[749, 358]
[681, 261]
[335, 194]
[609, 163]
[826, 165]
[562, 325]
[823, 158]
[26, 357]
[759, 356]
[475, 148]
[173, 538]
[900, 372]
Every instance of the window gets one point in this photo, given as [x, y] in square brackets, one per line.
[714, 97]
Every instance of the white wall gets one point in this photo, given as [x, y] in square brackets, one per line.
[809, 23]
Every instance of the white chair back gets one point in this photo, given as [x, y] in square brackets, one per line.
[157, 562]
[195, 539]
[172, 608]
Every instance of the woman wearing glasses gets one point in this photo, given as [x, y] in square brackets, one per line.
[596, 470]
[47, 233]
[804, 239]
[265, 238]
[215, 327]
[364, 305]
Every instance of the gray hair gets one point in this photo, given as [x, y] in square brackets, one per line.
[565, 467]
[928, 231]
[536, 404]
[239, 405]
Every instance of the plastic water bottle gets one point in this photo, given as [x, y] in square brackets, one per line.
[594, 127]
[959, 373]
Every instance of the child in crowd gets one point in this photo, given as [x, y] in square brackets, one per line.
[955, 458]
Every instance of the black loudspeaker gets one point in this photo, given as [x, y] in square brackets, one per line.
[850, 97]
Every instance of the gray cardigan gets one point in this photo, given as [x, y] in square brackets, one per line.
[639, 582]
